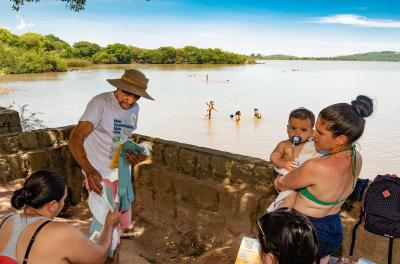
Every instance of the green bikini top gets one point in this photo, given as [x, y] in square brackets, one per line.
[306, 193]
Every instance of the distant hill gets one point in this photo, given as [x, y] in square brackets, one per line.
[369, 56]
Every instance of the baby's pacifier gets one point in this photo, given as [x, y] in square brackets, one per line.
[295, 140]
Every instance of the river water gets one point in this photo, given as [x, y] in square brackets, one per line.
[275, 87]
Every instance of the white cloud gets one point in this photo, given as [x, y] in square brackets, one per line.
[356, 20]
[22, 24]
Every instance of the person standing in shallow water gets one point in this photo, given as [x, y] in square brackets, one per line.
[108, 121]
[237, 116]
[210, 108]
[257, 114]
[324, 183]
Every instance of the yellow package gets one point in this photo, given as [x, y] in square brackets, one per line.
[249, 251]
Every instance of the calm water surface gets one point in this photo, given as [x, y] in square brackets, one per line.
[275, 87]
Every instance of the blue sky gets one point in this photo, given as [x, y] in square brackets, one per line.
[301, 28]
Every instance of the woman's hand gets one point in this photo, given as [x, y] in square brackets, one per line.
[278, 186]
[112, 218]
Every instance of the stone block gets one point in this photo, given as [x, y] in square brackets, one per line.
[185, 217]
[243, 173]
[145, 175]
[210, 223]
[56, 157]
[245, 218]
[165, 209]
[221, 167]
[28, 140]
[187, 161]
[46, 138]
[263, 175]
[229, 201]
[144, 203]
[9, 144]
[9, 121]
[171, 156]
[203, 167]
[162, 182]
[4, 170]
[17, 166]
[157, 153]
[205, 196]
[184, 190]
[36, 160]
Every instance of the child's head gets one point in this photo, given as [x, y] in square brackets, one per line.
[237, 113]
[301, 123]
[255, 110]
[286, 236]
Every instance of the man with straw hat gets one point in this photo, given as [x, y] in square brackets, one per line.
[108, 121]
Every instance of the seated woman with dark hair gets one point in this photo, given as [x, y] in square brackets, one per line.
[32, 236]
[287, 237]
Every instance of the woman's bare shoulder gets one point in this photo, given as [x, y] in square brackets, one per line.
[64, 230]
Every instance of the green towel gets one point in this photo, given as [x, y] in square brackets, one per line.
[125, 190]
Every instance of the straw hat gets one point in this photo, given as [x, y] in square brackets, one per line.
[132, 81]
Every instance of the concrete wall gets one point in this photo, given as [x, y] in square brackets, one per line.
[183, 188]
[23, 153]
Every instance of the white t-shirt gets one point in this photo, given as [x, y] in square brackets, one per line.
[112, 126]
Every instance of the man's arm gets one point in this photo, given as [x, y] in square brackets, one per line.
[75, 144]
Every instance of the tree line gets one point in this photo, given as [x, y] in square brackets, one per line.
[33, 52]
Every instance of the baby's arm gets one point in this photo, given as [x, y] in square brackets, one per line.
[278, 154]
[289, 201]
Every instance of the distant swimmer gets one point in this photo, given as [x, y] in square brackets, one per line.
[257, 113]
[237, 116]
[209, 109]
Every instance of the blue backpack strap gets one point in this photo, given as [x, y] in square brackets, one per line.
[33, 240]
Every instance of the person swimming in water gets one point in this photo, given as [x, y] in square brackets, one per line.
[257, 113]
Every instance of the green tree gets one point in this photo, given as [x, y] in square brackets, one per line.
[167, 55]
[8, 38]
[104, 57]
[84, 49]
[120, 51]
[32, 41]
[51, 42]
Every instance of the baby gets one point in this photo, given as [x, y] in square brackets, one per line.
[292, 152]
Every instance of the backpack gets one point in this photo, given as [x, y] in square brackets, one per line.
[381, 210]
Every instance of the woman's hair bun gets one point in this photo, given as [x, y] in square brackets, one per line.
[363, 105]
[18, 199]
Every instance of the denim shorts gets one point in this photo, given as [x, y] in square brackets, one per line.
[329, 233]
